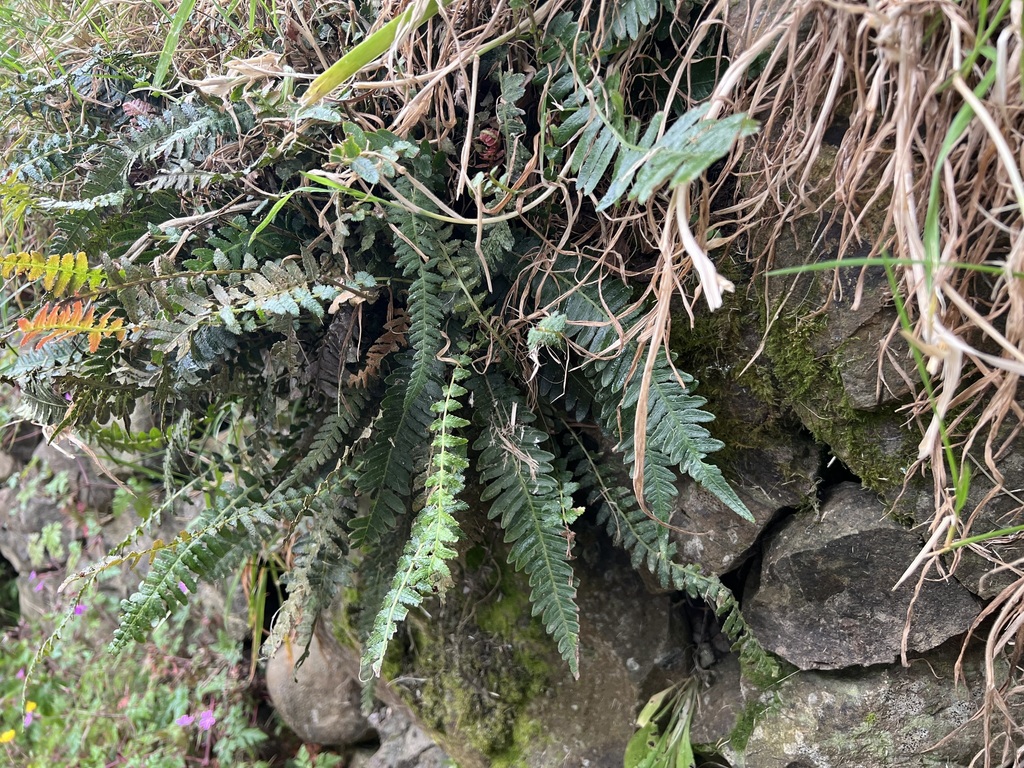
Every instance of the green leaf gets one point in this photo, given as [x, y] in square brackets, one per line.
[367, 51]
[688, 149]
[181, 17]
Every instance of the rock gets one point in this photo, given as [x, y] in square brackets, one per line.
[778, 475]
[988, 508]
[866, 718]
[744, 23]
[825, 598]
[8, 466]
[20, 440]
[403, 743]
[484, 676]
[320, 700]
[25, 515]
[85, 481]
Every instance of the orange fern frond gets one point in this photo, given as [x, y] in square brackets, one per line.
[62, 275]
[390, 341]
[61, 321]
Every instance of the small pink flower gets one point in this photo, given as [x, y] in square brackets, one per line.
[79, 610]
[20, 674]
[206, 719]
[184, 720]
[29, 716]
[182, 587]
[32, 576]
[38, 587]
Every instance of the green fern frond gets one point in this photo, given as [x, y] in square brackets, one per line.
[527, 494]
[595, 311]
[330, 437]
[320, 566]
[423, 568]
[674, 419]
[630, 17]
[400, 432]
[236, 524]
[648, 544]
[599, 132]
[62, 275]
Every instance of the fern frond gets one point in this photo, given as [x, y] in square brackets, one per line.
[392, 339]
[595, 311]
[62, 275]
[674, 429]
[331, 435]
[237, 523]
[648, 544]
[527, 494]
[320, 567]
[600, 133]
[388, 464]
[630, 17]
[423, 568]
[63, 321]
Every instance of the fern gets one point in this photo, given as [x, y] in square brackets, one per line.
[239, 521]
[62, 275]
[648, 544]
[629, 17]
[320, 569]
[388, 464]
[676, 439]
[330, 437]
[423, 568]
[62, 321]
[528, 496]
[599, 132]
[392, 339]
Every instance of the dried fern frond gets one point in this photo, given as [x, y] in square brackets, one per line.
[61, 321]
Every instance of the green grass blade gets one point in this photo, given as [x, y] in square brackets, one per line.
[181, 17]
[368, 51]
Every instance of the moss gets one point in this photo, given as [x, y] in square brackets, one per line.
[811, 384]
[525, 737]
[747, 721]
[483, 663]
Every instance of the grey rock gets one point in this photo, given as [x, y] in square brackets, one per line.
[825, 598]
[780, 475]
[320, 700]
[20, 440]
[630, 643]
[20, 520]
[989, 508]
[86, 482]
[8, 466]
[881, 716]
[748, 19]
[403, 743]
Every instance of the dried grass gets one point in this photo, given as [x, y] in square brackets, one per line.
[904, 73]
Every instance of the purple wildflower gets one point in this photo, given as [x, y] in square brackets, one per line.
[184, 720]
[206, 719]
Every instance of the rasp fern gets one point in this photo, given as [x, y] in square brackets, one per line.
[530, 499]
[423, 568]
[400, 432]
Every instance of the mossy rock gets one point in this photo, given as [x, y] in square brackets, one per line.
[484, 677]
